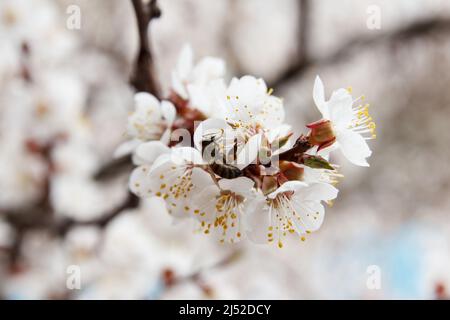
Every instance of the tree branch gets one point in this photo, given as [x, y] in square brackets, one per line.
[41, 215]
[303, 32]
[409, 32]
[143, 78]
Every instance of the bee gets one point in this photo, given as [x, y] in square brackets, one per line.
[219, 166]
[226, 171]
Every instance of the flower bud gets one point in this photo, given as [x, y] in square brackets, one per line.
[291, 170]
[269, 184]
[321, 134]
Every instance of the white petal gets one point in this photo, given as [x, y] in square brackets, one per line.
[319, 97]
[200, 178]
[178, 86]
[148, 152]
[168, 111]
[208, 98]
[311, 215]
[208, 126]
[140, 183]
[185, 61]
[205, 202]
[186, 154]
[207, 69]
[317, 192]
[249, 152]
[278, 131]
[165, 137]
[145, 100]
[258, 220]
[293, 185]
[271, 113]
[340, 108]
[126, 148]
[354, 147]
[240, 185]
[162, 159]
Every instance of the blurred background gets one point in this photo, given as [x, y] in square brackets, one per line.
[64, 99]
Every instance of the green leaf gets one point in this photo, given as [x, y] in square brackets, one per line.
[316, 162]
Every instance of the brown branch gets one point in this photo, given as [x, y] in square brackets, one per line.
[143, 78]
[114, 167]
[303, 32]
[409, 32]
[130, 202]
[171, 279]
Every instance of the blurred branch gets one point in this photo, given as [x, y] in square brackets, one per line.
[409, 32]
[171, 279]
[42, 215]
[143, 78]
[113, 168]
[303, 31]
[130, 202]
[39, 217]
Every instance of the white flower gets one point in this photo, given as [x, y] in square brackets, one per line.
[151, 120]
[247, 102]
[294, 207]
[22, 174]
[250, 118]
[82, 199]
[174, 176]
[195, 83]
[228, 139]
[223, 206]
[349, 123]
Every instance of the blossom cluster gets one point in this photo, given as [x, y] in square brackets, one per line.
[223, 155]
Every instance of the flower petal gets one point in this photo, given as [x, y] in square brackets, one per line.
[319, 97]
[144, 101]
[200, 178]
[293, 185]
[186, 154]
[354, 147]
[249, 152]
[340, 108]
[317, 192]
[208, 126]
[147, 152]
[168, 111]
[258, 220]
[207, 69]
[240, 185]
[204, 203]
[140, 182]
[309, 215]
[126, 148]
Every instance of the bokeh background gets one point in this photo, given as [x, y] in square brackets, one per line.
[64, 100]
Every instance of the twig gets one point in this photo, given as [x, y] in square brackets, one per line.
[113, 168]
[130, 202]
[412, 31]
[143, 78]
[41, 215]
[303, 32]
